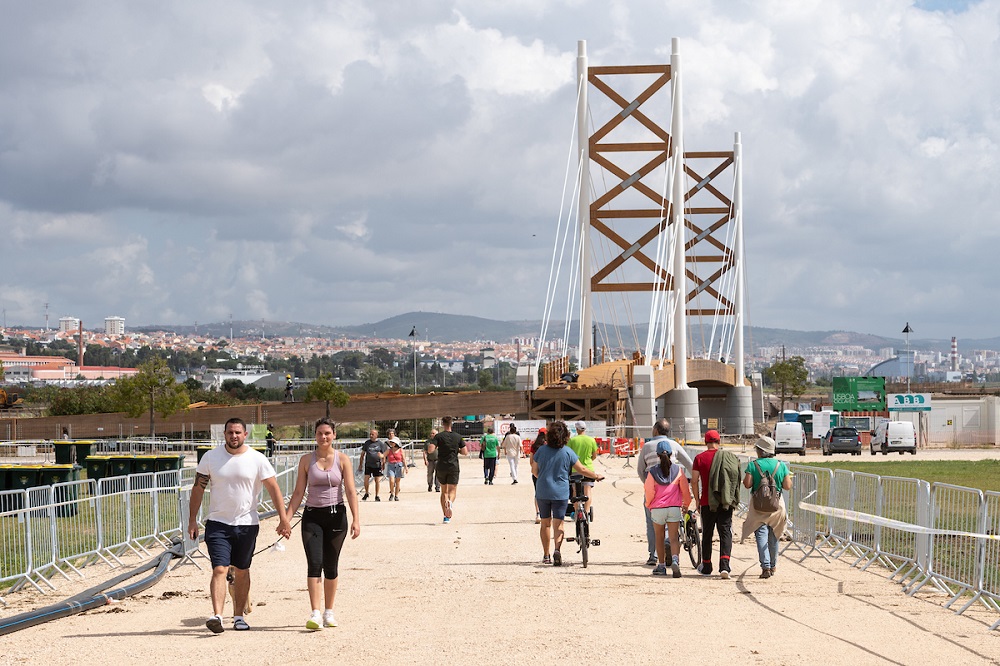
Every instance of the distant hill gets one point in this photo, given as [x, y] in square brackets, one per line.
[442, 327]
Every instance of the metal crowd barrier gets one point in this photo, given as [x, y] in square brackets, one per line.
[936, 535]
[60, 529]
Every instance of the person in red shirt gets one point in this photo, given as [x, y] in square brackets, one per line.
[718, 519]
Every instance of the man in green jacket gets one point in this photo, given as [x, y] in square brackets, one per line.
[715, 479]
[489, 450]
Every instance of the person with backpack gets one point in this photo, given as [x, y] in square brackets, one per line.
[766, 477]
[667, 496]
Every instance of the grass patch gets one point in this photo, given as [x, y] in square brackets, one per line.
[980, 474]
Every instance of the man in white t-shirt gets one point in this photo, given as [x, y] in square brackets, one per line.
[237, 474]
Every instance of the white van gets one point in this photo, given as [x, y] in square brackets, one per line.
[893, 436]
[789, 437]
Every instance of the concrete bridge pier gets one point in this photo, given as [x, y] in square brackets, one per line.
[643, 401]
[680, 407]
[739, 410]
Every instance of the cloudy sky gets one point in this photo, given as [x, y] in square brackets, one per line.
[341, 162]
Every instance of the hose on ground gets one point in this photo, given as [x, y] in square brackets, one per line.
[96, 596]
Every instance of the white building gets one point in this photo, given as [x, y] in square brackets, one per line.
[68, 324]
[114, 326]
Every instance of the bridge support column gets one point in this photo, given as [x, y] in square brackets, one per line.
[643, 402]
[680, 407]
[527, 378]
[739, 411]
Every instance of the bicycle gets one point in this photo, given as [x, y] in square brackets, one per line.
[581, 518]
[690, 537]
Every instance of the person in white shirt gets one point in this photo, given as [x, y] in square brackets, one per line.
[511, 446]
[236, 473]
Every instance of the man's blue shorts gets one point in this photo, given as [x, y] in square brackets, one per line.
[552, 508]
[230, 545]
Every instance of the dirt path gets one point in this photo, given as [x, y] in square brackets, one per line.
[415, 591]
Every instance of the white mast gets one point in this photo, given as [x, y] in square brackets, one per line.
[677, 200]
[739, 318]
[583, 207]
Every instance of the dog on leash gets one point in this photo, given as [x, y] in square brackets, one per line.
[230, 577]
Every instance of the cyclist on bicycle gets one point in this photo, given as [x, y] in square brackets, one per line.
[667, 493]
[552, 464]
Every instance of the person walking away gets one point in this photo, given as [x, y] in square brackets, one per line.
[511, 446]
[395, 466]
[430, 461]
[490, 448]
[585, 448]
[766, 526]
[667, 495]
[553, 464]
[715, 482]
[373, 452]
[538, 443]
[236, 474]
[269, 441]
[648, 458]
[449, 446]
[324, 479]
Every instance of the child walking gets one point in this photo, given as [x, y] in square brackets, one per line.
[667, 492]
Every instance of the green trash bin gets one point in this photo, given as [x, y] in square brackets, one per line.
[120, 465]
[143, 464]
[167, 463]
[97, 467]
[4, 477]
[201, 450]
[64, 496]
[20, 477]
[63, 452]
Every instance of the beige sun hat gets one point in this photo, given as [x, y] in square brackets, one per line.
[765, 444]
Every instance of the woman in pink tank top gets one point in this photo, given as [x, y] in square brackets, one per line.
[325, 478]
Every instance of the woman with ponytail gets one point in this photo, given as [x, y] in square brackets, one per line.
[667, 492]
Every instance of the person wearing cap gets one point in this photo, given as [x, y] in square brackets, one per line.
[289, 385]
[395, 465]
[715, 483]
[489, 451]
[667, 495]
[647, 458]
[585, 448]
[766, 527]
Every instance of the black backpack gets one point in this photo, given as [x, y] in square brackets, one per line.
[767, 497]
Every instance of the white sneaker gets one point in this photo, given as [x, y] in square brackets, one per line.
[328, 619]
[315, 621]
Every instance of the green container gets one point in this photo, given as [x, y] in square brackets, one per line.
[4, 477]
[52, 474]
[8, 502]
[202, 450]
[143, 464]
[23, 477]
[120, 465]
[97, 467]
[167, 463]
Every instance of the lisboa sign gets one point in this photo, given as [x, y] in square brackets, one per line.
[908, 402]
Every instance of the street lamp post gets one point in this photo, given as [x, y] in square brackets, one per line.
[413, 351]
[909, 359]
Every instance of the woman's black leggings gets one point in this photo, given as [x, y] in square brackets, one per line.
[324, 530]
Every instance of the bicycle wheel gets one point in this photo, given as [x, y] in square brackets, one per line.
[583, 537]
[692, 535]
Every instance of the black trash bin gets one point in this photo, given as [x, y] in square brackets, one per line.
[49, 475]
[19, 477]
[120, 465]
[64, 452]
[168, 463]
[202, 450]
[143, 464]
[97, 467]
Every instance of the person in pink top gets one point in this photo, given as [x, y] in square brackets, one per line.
[325, 479]
[667, 493]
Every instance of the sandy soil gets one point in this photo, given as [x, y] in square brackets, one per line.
[415, 591]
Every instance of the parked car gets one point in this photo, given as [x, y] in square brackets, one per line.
[842, 440]
[789, 437]
[895, 436]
